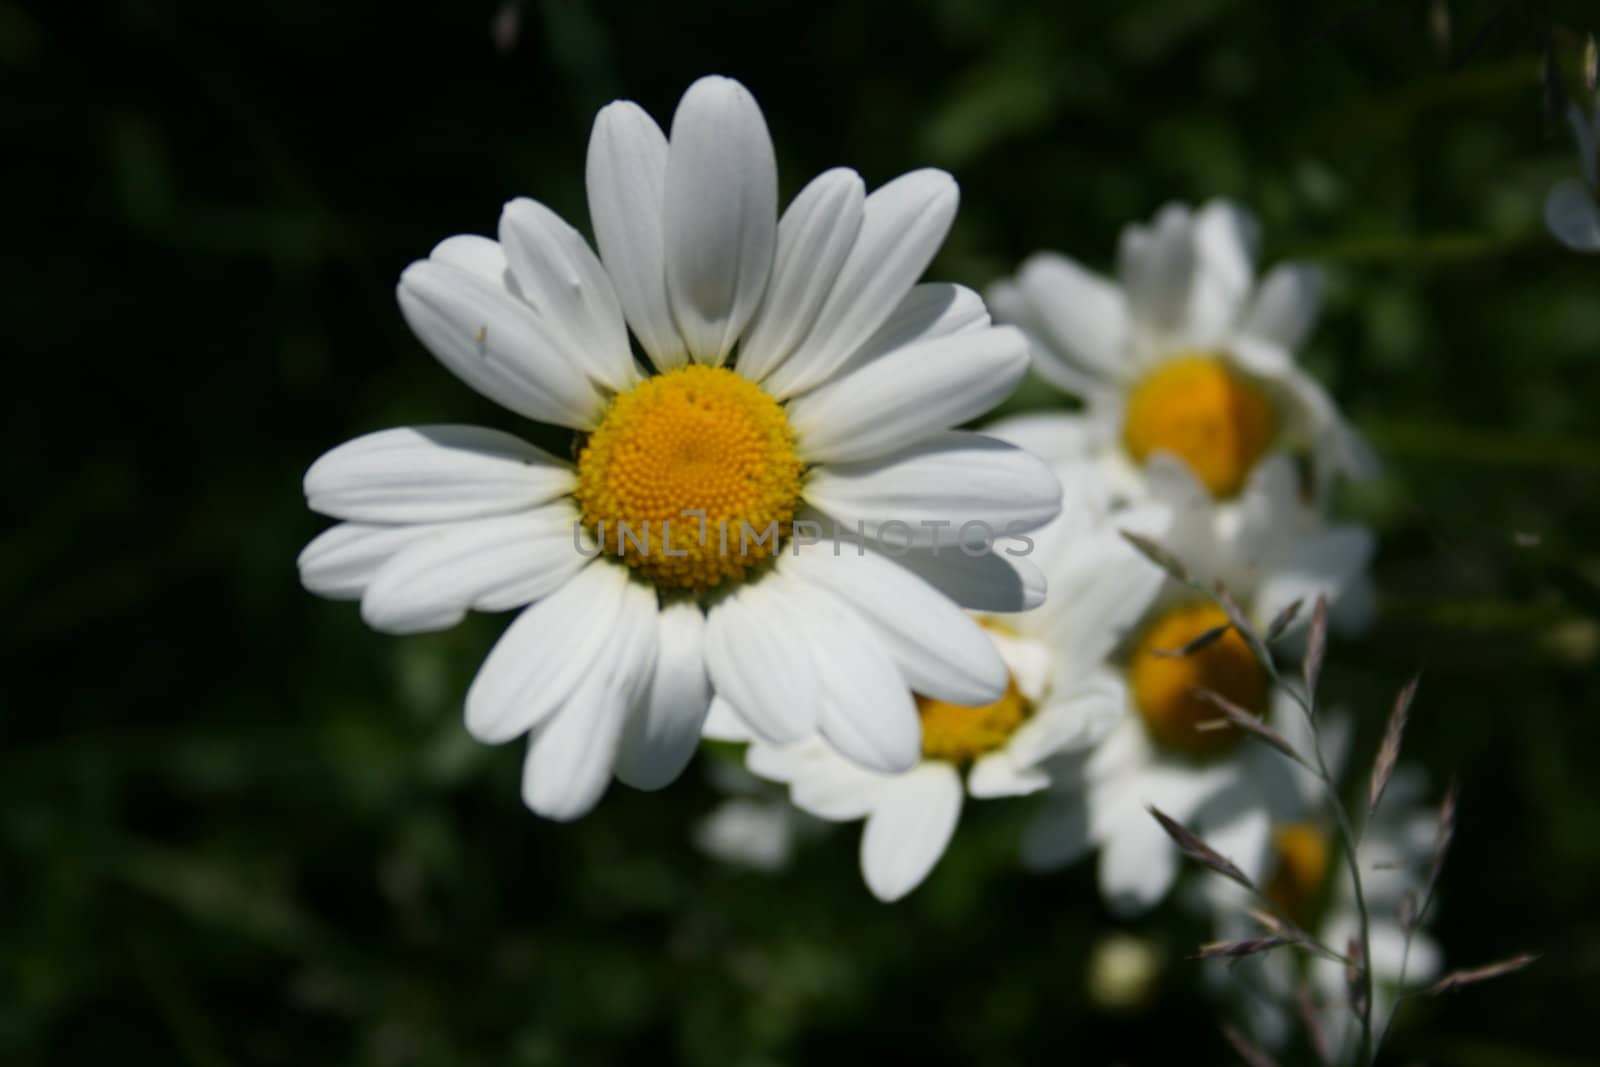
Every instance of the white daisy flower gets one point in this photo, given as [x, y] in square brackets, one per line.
[1061, 697]
[1307, 879]
[785, 369]
[1184, 354]
[1572, 208]
[1270, 549]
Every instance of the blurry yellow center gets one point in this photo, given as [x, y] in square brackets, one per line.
[1205, 413]
[1164, 684]
[694, 439]
[959, 733]
[1302, 856]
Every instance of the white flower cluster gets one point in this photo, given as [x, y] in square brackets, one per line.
[764, 372]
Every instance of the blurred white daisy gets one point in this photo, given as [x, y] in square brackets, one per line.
[1183, 354]
[1572, 208]
[1061, 697]
[1270, 549]
[785, 368]
[1308, 881]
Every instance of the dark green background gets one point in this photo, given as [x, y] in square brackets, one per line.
[239, 828]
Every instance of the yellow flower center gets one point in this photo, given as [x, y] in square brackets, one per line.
[960, 734]
[690, 441]
[1205, 413]
[1302, 856]
[1164, 683]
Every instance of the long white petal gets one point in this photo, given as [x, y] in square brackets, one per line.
[903, 224]
[758, 660]
[1082, 314]
[1225, 237]
[941, 651]
[951, 488]
[572, 757]
[433, 474]
[996, 775]
[544, 654]
[340, 562]
[558, 274]
[1156, 264]
[626, 178]
[901, 398]
[909, 829]
[492, 564]
[996, 582]
[662, 734]
[1138, 864]
[1286, 305]
[814, 237]
[494, 342]
[721, 215]
[867, 714]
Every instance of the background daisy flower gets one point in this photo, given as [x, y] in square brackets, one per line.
[784, 368]
[1183, 353]
[1269, 549]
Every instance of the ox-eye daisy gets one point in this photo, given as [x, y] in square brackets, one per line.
[1269, 549]
[1183, 354]
[785, 370]
[1061, 697]
[1308, 882]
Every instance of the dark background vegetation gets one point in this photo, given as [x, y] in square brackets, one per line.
[236, 827]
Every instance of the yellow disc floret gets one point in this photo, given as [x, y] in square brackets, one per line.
[1302, 854]
[1205, 413]
[689, 441]
[1164, 683]
[959, 733]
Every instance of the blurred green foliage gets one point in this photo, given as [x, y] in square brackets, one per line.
[238, 828]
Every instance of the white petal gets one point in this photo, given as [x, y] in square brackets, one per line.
[1239, 827]
[1099, 592]
[1058, 835]
[759, 663]
[493, 564]
[661, 735]
[996, 582]
[1138, 864]
[909, 829]
[1156, 264]
[341, 561]
[748, 833]
[476, 254]
[544, 654]
[1055, 437]
[867, 713]
[1224, 237]
[1069, 720]
[1325, 564]
[1082, 315]
[1286, 306]
[564, 281]
[930, 310]
[938, 487]
[495, 343]
[626, 178]
[721, 215]
[433, 474]
[903, 397]
[940, 650]
[1573, 215]
[829, 786]
[571, 758]
[995, 775]
[1009, 306]
[903, 225]
[814, 237]
[724, 724]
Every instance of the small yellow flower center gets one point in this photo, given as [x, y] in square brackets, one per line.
[1164, 683]
[1205, 413]
[1302, 854]
[694, 439]
[960, 734]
